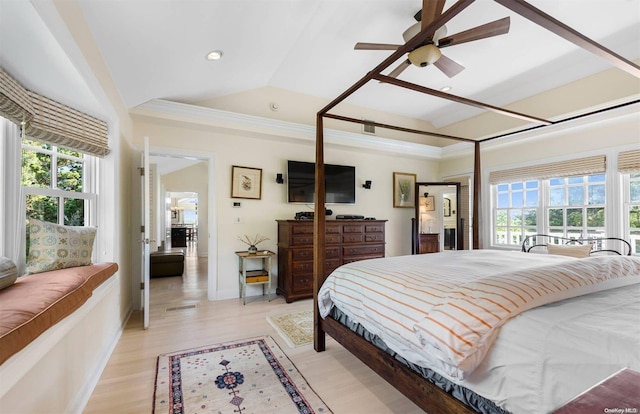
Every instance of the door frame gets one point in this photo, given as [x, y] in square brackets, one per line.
[212, 237]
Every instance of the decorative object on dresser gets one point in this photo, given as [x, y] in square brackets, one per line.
[252, 242]
[346, 241]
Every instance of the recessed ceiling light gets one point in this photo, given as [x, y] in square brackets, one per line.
[445, 88]
[214, 55]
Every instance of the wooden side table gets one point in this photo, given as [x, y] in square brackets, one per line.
[261, 276]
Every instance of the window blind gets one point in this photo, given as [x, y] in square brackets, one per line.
[629, 161]
[581, 166]
[15, 104]
[50, 121]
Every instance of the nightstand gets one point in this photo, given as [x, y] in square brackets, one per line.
[261, 276]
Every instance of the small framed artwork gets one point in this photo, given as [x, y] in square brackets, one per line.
[447, 207]
[403, 190]
[429, 203]
[246, 182]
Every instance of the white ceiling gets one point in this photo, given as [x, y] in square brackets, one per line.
[156, 49]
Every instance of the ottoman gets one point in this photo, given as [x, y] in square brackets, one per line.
[169, 263]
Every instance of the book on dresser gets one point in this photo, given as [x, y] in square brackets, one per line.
[346, 241]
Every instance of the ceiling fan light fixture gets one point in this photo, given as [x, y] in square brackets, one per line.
[414, 29]
[425, 55]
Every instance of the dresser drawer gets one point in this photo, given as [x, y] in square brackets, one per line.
[332, 239]
[353, 228]
[353, 238]
[302, 254]
[302, 283]
[375, 250]
[330, 265]
[302, 229]
[373, 237]
[303, 267]
[307, 253]
[302, 240]
[331, 252]
[331, 229]
[374, 228]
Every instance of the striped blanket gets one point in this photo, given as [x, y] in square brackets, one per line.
[443, 310]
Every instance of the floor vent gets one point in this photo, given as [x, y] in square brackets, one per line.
[175, 308]
[368, 127]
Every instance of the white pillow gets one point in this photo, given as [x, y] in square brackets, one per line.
[573, 250]
[52, 246]
[8, 272]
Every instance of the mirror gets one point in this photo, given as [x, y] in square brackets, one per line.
[436, 226]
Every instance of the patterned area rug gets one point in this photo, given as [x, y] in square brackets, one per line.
[248, 376]
[295, 328]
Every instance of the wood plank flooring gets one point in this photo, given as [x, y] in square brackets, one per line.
[181, 318]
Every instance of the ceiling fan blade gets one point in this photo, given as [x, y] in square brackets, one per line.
[448, 66]
[431, 10]
[375, 46]
[494, 28]
[398, 70]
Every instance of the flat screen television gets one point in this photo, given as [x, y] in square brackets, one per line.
[340, 183]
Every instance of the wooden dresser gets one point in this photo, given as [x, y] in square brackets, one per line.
[346, 241]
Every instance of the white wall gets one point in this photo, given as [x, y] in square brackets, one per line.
[258, 216]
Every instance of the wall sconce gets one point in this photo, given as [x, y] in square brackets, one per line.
[279, 179]
[367, 184]
[426, 194]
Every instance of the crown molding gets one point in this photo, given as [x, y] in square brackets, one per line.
[255, 126]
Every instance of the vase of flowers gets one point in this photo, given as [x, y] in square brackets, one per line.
[405, 189]
[252, 242]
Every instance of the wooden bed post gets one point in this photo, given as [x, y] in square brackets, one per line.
[319, 224]
[477, 178]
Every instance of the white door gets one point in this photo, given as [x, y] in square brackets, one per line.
[146, 231]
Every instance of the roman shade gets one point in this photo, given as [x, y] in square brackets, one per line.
[15, 104]
[63, 126]
[49, 121]
[581, 166]
[629, 161]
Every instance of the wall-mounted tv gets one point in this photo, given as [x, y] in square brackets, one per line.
[340, 183]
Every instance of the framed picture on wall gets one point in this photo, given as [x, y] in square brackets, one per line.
[404, 185]
[447, 207]
[246, 182]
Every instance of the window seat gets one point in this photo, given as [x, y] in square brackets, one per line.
[34, 303]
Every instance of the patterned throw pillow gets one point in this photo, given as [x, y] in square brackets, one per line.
[53, 246]
[8, 272]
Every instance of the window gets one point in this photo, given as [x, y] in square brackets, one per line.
[516, 212]
[563, 206]
[56, 184]
[576, 206]
[632, 189]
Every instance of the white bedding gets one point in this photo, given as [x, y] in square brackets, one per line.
[513, 385]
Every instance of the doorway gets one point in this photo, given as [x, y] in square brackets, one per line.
[185, 196]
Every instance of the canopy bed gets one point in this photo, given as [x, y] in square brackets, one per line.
[465, 385]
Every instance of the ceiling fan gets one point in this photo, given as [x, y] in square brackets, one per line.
[429, 53]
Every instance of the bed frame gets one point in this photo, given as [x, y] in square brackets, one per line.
[615, 245]
[422, 392]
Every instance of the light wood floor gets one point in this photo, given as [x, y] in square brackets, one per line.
[127, 383]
